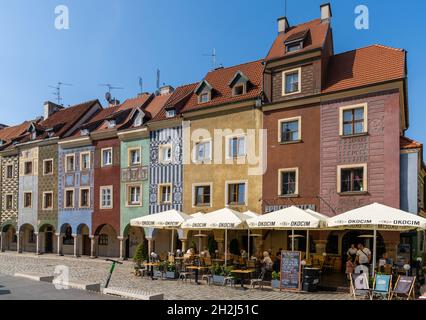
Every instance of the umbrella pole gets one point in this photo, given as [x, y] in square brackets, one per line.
[307, 245]
[374, 251]
[173, 240]
[292, 239]
[199, 242]
[226, 246]
[248, 243]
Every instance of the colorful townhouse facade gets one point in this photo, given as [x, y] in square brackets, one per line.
[302, 126]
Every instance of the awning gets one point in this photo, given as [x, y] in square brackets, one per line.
[285, 219]
[225, 219]
[170, 219]
[378, 216]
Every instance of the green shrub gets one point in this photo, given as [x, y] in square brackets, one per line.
[141, 253]
[275, 275]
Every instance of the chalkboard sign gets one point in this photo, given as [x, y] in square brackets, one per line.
[291, 269]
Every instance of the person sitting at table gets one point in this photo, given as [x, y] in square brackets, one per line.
[277, 262]
[154, 257]
[178, 253]
[267, 266]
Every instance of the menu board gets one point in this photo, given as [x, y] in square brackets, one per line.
[291, 269]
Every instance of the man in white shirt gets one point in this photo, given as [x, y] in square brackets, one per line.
[363, 255]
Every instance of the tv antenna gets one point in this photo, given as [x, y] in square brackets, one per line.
[141, 84]
[108, 96]
[158, 79]
[57, 92]
[213, 56]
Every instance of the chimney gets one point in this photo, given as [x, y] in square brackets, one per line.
[326, 12]
[50, 108]
[283, 25]
[166, 90]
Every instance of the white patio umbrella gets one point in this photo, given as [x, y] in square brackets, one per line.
[171, 219]
[253, 215]
[377, 216]
[224, 219]
[196, 215]
[290, 218]
[323, 223]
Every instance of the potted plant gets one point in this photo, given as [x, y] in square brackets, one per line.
[218, 274]
[171, 271]
[275, 282]
[139, 256]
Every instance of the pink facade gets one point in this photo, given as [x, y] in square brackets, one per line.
[378, 149]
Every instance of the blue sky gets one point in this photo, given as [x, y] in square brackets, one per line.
[116, 41]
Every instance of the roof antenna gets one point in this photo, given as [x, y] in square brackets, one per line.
[108, 96]
[158, 79]
[213, 56]
[57, 92]
[141, 84]
[285, 8]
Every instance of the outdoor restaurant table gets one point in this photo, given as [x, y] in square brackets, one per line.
[218, 260]
[242, 273]
[152, 265]
[196, 269]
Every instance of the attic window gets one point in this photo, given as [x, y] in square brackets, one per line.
[111, 123]
[84, 132]
[204, 97]
[292, 47]
[170, 113]
[50, 134]
[239, 90]
[33, 135]
[138, 120]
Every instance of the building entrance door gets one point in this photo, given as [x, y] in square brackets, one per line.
[49, 240]
[86, 245]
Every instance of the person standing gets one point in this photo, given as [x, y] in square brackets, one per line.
[363, 255]
[352, 252]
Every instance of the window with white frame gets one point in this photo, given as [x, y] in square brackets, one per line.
[165, 153]
[236, 146]
[204, 97]
[84, 197]
[353, 120]
[134, 195]
[165, 193]
[69, 198]
[202, 151]
[106, 157]
[48, 200]
[352, 178]
[291, 81]
[236, 193]
[48, 167]
[202, 195]
[288, 182]
[69, 163]
[28, 200]
[106, 197]
[289, 130]
[134, 156]
[138, 120]
[170, 113]
[84, 161]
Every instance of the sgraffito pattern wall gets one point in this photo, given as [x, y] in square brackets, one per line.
[166, 173]
[9, 186]
[48, 183]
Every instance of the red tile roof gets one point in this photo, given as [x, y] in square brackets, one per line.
[222, 93]
[9, 133]
[317, 32]
[156, 104]
[138, 101]
[407, 143]
[365, 66]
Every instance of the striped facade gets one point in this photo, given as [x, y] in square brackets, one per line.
[166, 173]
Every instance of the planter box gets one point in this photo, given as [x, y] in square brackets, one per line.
[157, 274]
[275, 284]
[171, 275]
[218, 279]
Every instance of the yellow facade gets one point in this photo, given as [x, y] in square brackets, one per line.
[223, 169]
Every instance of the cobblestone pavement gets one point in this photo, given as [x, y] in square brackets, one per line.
[96, 270]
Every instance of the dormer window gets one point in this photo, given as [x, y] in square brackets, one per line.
[33, 135]
[111, 123]
[170, 113]
[84, 132]
[204, 92]
[1, 142]
[204, 97]
[239, 84]
[293, 47]
[138, 120]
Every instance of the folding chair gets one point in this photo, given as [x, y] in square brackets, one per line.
[404, 288]
[359, 286]
[257, 281]
[185, 274]
[381, 287]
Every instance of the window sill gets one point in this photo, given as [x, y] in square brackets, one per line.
[133, 205]
[289, 196]
[354, 135]
[290, 93]
[290, 142]
[353, 193]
